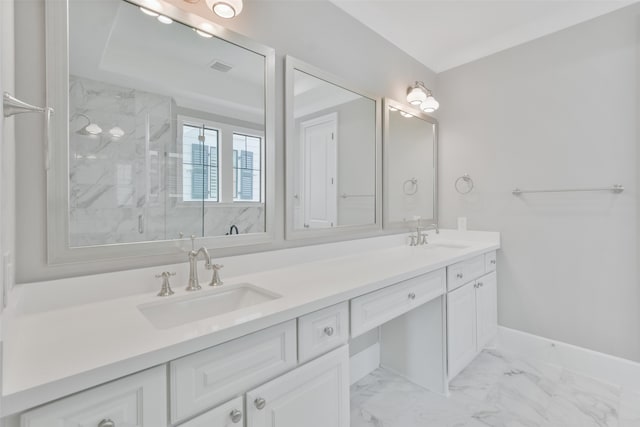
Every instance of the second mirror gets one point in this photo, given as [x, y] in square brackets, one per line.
[333, 155]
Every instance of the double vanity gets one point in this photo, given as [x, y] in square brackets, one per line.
[274, 347]
[320, 293]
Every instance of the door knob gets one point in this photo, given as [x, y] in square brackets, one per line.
[412, 296]
[328, 331]
[106, 423]
[459, 275]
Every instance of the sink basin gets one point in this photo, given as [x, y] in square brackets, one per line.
[448, 245]
[174, 312]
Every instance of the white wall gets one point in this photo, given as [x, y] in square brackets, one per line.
[561, 111]
[314, 31]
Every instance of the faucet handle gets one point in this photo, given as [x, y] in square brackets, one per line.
[215, 278]
[166, 286]
[165, 274]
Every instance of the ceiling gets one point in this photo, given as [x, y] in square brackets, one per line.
[443, 34]
[114, 42]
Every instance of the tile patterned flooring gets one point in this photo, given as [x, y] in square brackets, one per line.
[499, 391]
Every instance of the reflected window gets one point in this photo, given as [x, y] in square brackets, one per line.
[200, 171]
[247, 174]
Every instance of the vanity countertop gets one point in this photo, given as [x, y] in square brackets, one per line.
[54, 353]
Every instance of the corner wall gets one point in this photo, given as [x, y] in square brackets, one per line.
[558, 112]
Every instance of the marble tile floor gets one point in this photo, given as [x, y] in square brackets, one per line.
[495, 390]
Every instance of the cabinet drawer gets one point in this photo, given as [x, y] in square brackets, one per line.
[490, 261]
[322, 331]
[135, 401]
[213, 376]
[464, 271]
[372, 310]
[230, 414]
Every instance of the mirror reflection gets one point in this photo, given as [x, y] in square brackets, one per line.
[166, 129]
[410, 166]
[333, 155]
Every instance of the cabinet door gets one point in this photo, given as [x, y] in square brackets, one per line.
[487, 309]
[139, 400]
[313, 395]
[461, 328]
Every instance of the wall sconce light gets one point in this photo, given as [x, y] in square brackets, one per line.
[225, 8]
[90, 128]
[419, 94]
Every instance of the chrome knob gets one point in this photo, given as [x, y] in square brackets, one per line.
[493, 261]
[412, 296]
[480, 284]
[236, 416]
[459, 275]
[328, 331]
[106, 423]
[260, 403]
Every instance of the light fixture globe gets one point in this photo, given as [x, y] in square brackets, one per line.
[416, 95]
[225, 8]
[430, 104]
[93, 129]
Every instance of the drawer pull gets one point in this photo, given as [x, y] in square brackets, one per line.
[236, 416]
[328, 331]
[480, 284]
[106, 423]
[459, 275]
[260, 403]
[493, 261]
[412, 295]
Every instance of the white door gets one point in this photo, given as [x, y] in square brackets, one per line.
[461, 328]
[487, 309]
[320, 205]
[313, 395]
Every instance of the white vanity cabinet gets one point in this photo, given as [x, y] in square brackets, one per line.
[313, 395]
[472, 321]
[139, 400]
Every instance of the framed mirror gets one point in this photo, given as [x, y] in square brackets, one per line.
[333, 155]
[163, 130]
[410, 167]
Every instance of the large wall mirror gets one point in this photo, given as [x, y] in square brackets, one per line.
[163, 130]
[333, 155]
[410, 167]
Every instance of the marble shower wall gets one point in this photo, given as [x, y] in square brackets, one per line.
[124, 189]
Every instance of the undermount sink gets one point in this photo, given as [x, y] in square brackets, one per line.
[447, 245]
[177, 311]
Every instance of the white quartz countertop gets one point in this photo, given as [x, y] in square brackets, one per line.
[54, 353]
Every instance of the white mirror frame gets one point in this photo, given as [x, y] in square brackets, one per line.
[291, 233]
[57, 68]
[397, 225]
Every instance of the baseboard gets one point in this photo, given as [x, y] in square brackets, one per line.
[611, 369]
[365, 362]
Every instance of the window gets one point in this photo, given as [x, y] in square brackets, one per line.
[247, 164]
[199, 163]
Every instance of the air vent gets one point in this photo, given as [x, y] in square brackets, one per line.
[220, 66]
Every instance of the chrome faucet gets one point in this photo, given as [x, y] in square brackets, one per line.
[194, 283]
[420, 237]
